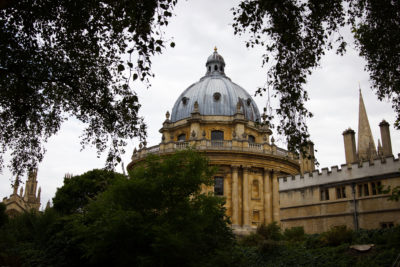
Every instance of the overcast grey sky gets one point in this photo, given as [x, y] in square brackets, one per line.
[198, 26]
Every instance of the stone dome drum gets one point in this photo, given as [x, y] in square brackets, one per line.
[215, 94]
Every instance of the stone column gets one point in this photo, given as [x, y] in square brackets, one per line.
[246, 206]
[235, 196]
[267, 196]
[275, 195]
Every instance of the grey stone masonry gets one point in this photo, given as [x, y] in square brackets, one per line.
[378, 167]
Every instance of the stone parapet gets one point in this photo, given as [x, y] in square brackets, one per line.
[227, 145]
[346, 172]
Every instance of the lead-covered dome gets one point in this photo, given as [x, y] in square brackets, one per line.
[215, 94]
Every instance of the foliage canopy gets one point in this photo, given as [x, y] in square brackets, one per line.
[156, 217]
[296, 34]
[61, 59]
[78, 190]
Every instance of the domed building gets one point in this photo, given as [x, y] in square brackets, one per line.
[220, 118]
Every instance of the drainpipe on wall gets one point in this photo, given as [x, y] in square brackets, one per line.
[355, 213]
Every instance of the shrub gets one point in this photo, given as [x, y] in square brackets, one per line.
[271, 231]
[312, 241]
[269, 246]
[294, 234]
[337, 235]
[251, 240]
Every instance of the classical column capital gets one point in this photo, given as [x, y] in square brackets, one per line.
[276, 171]
[235, 166]
[246, 167]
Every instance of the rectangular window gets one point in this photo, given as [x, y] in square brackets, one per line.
[219, 186]
[387, 225]
[366, 190]
[379, 187]
[363, 190]
[217, 135]
[341, 192]
[374, 188]
[325, 194]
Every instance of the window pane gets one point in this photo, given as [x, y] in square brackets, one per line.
[366, 190]
[379, 187]
[217, 135]
[338, 193]
[373, 188]
[219, 186]
[182, 137]
[252, 139]
[324, 194]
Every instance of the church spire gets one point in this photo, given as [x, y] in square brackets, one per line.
[366, 146]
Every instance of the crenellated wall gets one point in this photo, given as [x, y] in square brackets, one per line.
[346, 172]
[351, 195]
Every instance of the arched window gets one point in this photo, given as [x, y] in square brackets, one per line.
[215, 67]
[255, 190]
[251, 139]
[182, 137]
[219, 186]
[217, 135]
[209, 68]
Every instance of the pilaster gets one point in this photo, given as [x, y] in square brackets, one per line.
[246, 206]
[267, 186]
[275, 195]
[235, 196]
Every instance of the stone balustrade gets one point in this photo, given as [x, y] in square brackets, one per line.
[225, 145]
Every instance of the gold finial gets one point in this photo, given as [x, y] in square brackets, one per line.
[215, 49]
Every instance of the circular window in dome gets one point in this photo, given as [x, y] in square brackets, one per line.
[185, 100]
[217, 96]
[248, 101]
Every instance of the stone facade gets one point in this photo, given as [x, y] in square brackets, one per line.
[230, 136]
[248, 169]
[24, 201]
[350, 195]
[249, 163]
